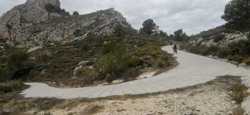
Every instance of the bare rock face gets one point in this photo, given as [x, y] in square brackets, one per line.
[219, 36]
[33, 11]
[43, 21]
[38, 10]
[222, 40]
[42, 3]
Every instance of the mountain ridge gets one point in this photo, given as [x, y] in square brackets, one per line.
[53, 24]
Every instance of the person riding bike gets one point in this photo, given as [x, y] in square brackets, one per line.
[175, 49]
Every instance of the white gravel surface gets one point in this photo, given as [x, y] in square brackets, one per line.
[192, 70]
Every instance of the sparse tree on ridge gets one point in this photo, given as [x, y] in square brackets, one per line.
[75, 13]
[148, 27]
[179, 35]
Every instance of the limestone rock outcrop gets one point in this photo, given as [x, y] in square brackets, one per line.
[37, 22]
[219, 37]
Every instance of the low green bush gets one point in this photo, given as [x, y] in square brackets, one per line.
[11, 86]
[116, 60]
[77, 33]
[89, 75]
[17, 58]
[239, 92]
[151, 55]
[3, 70]
[119, 58]
[14, 62]
[55, 9]
[236, 51]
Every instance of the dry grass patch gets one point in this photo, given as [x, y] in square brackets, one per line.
[91, 110]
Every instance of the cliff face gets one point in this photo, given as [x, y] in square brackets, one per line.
[43, 21]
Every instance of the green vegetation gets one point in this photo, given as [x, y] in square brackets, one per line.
[75, 13]
[91, 110]
[148, 27]
[239, 92]
[114, 61]
[236, 51]
[237, 14]
[55, 9]
[180, 35]
[12, 68]
[3, 70]
[121, 56]
[11, 86]
[77, 33]
[118, 59]
[12, 63]
[107, 58]
[15, 106]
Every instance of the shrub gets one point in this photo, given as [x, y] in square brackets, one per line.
[200, 49]
[11, 86]
[151, 55]
[3, 70]
[236, 51]
[75, 13]
[55, 9]
[77, 33]
[241, 47]
[52, 8]
[89, 75]
[17, 58]
[120, 58]
[15, 61]
[116, 59]
[111, 65]
[218, 37]
[121, 31]
[239, 92]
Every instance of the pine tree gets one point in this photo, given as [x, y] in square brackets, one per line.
[237, 13]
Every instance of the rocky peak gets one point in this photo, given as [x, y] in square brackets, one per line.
[33, 11]
[43, 3]
[39, 22]
[29, 13]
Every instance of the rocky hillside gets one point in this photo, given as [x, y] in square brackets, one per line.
[41, 42]
[230, 41]
[221, 42]
[219, 36]
[39, 22]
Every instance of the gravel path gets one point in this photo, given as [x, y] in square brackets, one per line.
[192, 70]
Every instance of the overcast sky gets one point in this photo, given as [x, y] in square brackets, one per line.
[191, 15]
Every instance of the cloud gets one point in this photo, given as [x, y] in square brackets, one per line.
[5, 5]
[191, 15]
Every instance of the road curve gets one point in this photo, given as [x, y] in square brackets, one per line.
[192, 70]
